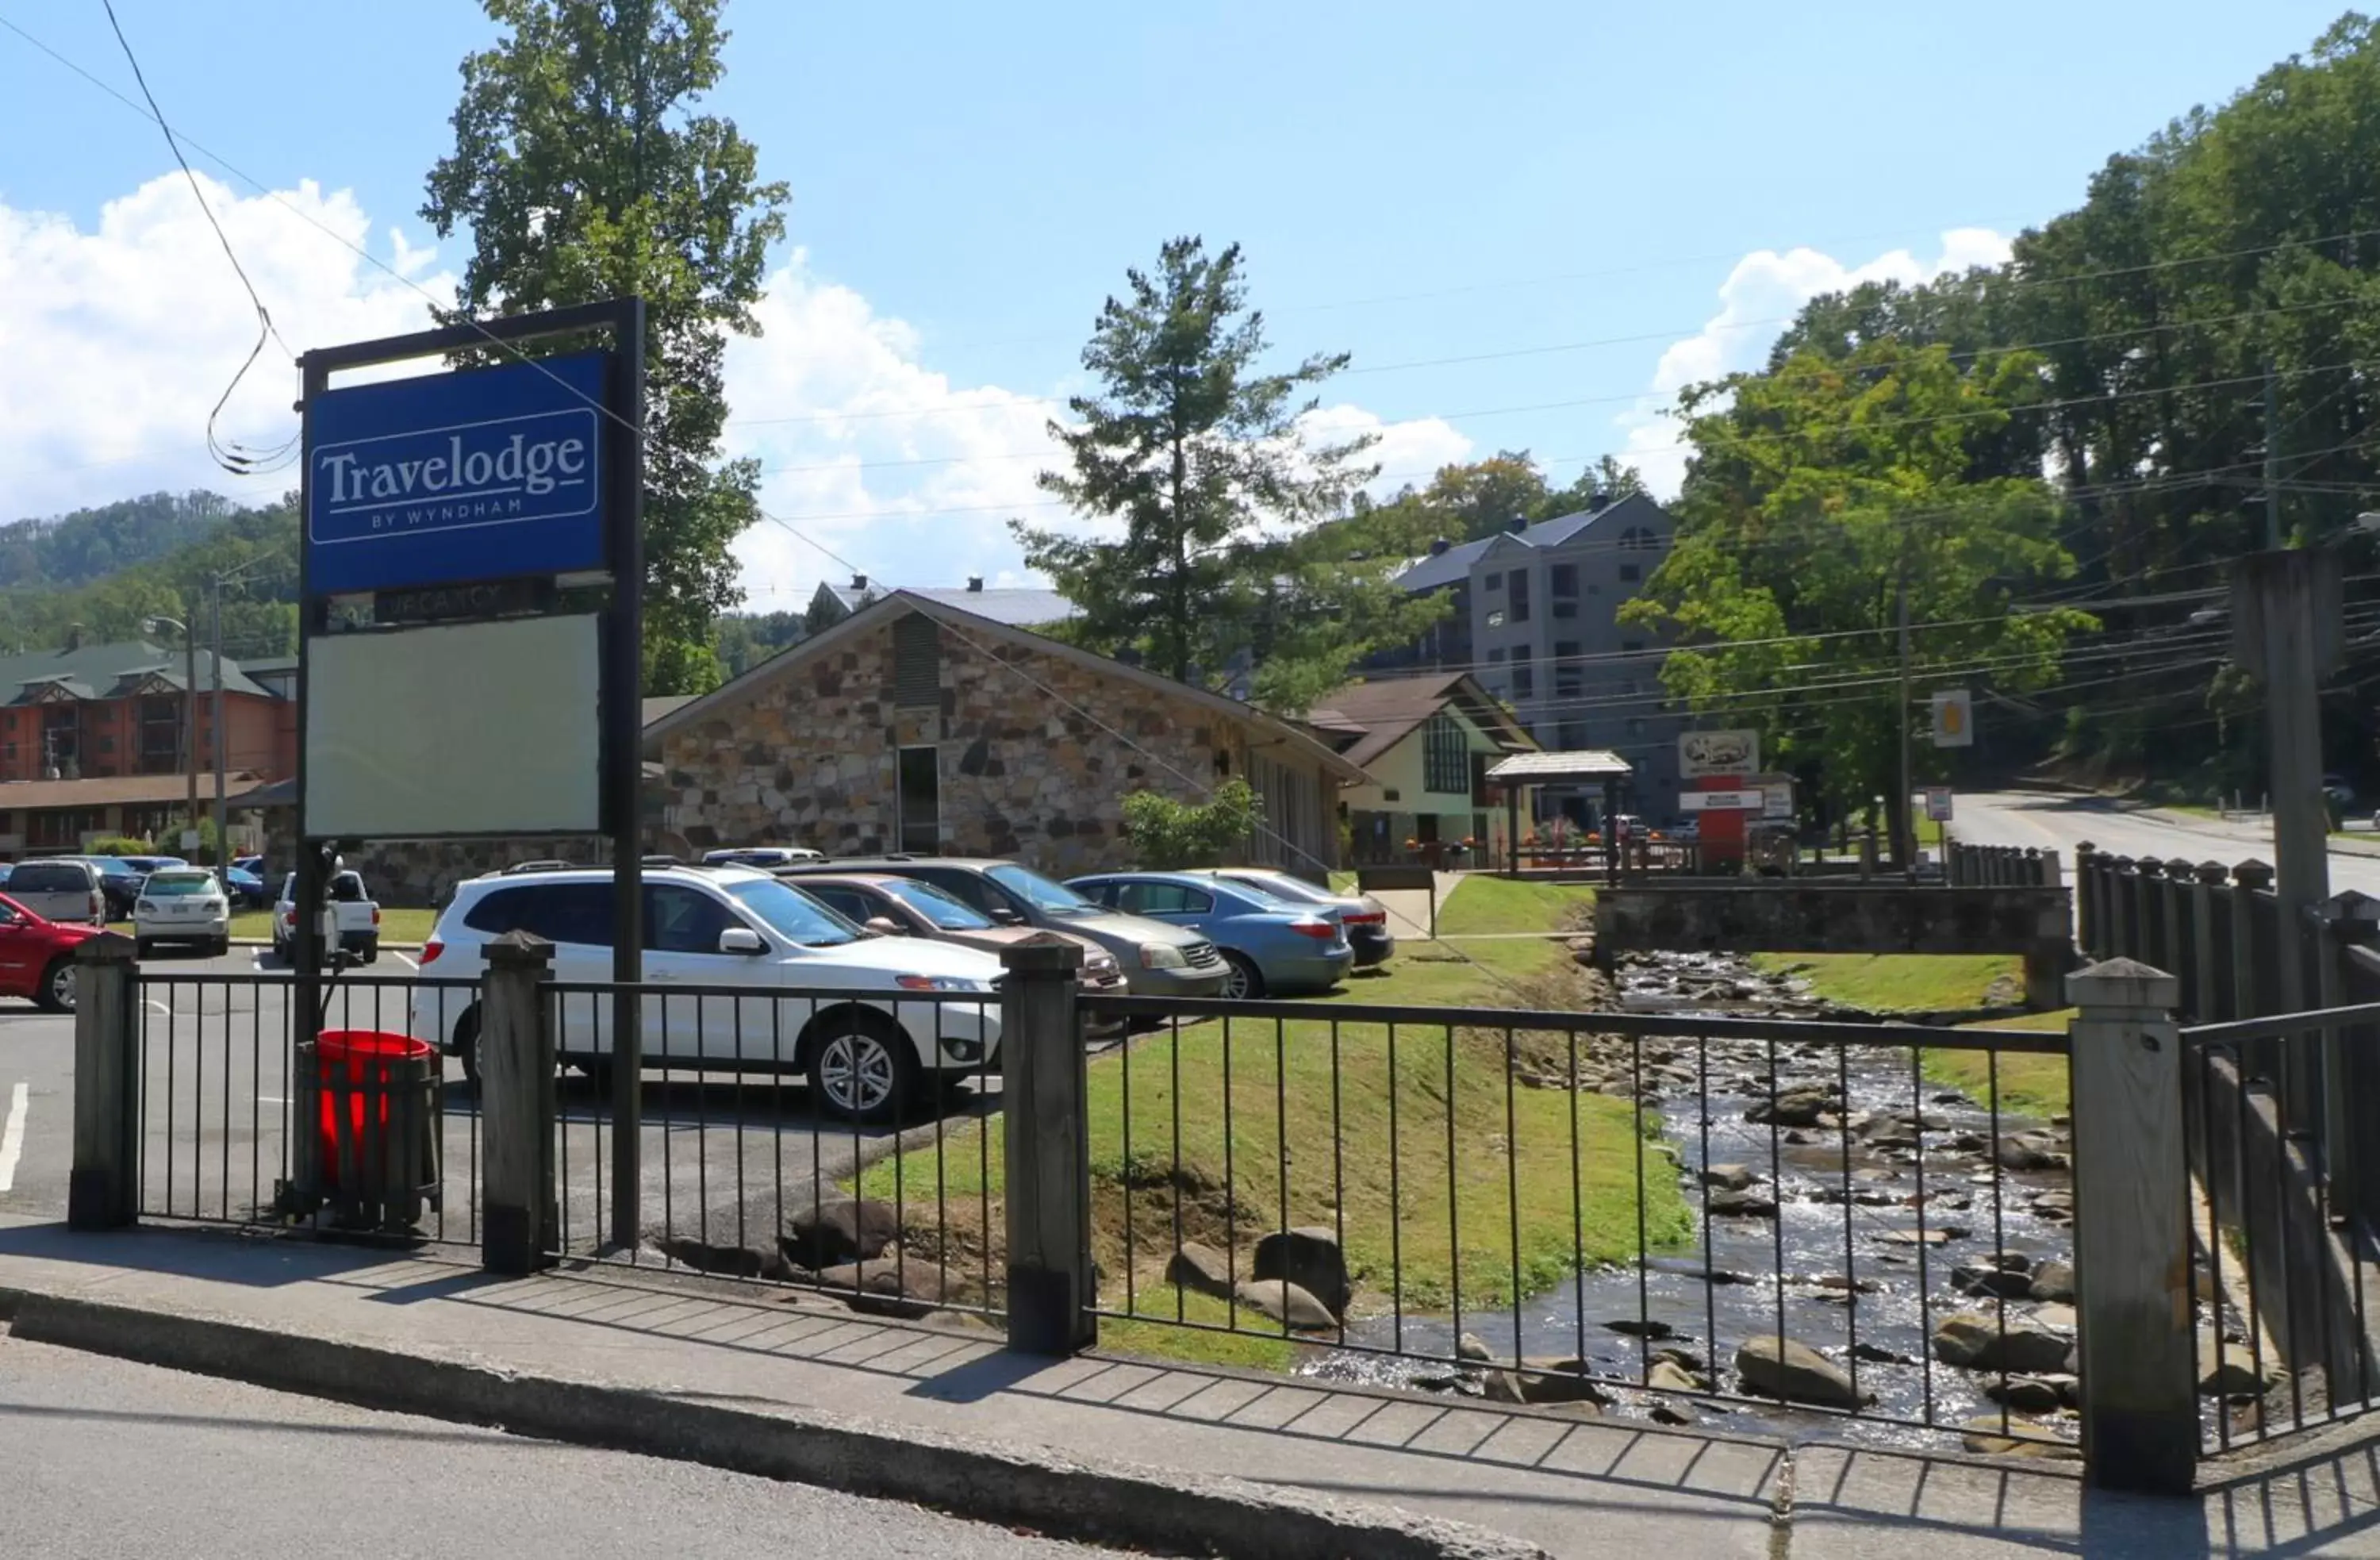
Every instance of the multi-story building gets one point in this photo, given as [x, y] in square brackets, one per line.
[94, 740]
[1536, 619]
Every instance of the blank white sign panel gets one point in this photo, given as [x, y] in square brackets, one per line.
[470, 728]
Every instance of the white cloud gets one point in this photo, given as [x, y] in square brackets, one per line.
[1756, 302]
[117, 341]
[1407, 452]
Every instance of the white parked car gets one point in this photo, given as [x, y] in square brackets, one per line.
[183, 905]
[350, 905]
[870, 1021]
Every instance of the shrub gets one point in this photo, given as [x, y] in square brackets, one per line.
[118, 847]
[1167, 834]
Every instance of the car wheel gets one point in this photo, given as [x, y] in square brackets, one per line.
[142, 948]
[860, 1068]
[57, 990]
[371, 953]
[1242, 981]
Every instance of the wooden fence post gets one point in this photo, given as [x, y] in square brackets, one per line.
[2090, 908]
[520, 1224]
[2181, 941]
[103, 1186]
[2132, 1231]
[2350, 919]
[2206, 1004]
[1051, 1284]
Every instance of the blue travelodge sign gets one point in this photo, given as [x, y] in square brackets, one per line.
[480, 474]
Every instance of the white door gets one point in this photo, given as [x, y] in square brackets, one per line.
[681, 930]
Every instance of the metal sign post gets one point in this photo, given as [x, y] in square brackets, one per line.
[444, 514]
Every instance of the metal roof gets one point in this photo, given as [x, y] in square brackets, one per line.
[1584, 763]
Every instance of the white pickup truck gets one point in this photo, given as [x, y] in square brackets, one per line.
[350, 911]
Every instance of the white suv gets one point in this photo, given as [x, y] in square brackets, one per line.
[870, 1019]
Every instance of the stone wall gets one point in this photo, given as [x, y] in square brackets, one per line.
[1846, 917]
[812, 758]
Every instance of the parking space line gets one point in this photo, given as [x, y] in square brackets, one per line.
[406, 960]
[12, 1136]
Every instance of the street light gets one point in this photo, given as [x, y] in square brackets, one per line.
[158, 624]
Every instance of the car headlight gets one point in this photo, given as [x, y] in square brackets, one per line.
[146, 906]
[1103, 965]
[1161, 956]
[940, 983]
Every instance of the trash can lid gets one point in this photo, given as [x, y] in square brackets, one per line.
[371, 1045]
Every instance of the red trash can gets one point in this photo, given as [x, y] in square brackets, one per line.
[376, 1145]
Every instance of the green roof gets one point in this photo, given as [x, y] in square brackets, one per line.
[95, 670]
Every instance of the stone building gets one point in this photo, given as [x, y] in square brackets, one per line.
[914, 724]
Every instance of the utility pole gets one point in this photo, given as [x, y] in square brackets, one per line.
[190, 717]
[1904, 840]
[222, 837]
[2272, 459]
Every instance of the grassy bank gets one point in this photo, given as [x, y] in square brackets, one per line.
[2029, 1085]
[1899, 982]
[1343, 1127]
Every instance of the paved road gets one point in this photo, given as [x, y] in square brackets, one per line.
[104, 1457]
[724, 1156]
[2043, 820]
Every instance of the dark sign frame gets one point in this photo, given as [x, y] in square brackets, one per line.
[622, 737]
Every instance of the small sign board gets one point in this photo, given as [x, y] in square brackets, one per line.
[191, 839]
[1938, 803]
[1706, 754]
[480, 474]
[1954, 718]
[1779, 802]
[1723, 801]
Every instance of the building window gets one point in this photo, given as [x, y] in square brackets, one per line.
[1561, 581]
[1630, 572]
[916, 662]
[1627, 646]
[1445, 756]
[1636, 726]
[1566, 669]
[1565, 609]
[1493, 582]
[1638, 539]
[921, 800]
[1573, 736]
[160, 734]
[1525, 677]
[1496, 656]
[1520, 596]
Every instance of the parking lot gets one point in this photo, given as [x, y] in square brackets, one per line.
[726, 1157]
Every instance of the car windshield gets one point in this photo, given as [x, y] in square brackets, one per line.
[945, 910]
[1039, 892]
[110, 867]
[177, 884]
[793, 916]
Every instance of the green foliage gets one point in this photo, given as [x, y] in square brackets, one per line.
[1168, 836]
[1465, 502]
[748, 639]
[583, 173]
[164, 550]
[117, 845]
[1223, 557]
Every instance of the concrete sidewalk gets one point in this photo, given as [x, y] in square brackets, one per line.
[1172, 1458]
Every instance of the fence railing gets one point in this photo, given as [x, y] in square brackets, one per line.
[1659, 1215]
[2000, 866]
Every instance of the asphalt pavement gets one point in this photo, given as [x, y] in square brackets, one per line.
[2047, 819]
[726, 1157]
[106, 1458]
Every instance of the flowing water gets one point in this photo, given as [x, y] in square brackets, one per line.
[1857, 1283]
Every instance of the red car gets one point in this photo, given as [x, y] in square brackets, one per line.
[37, 956]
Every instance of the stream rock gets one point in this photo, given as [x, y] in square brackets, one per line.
[1200, 1268]
[1310, 1259]
[1668, 1376]
[1545, 1381]
[2054, 1280]
[846, 1230]
[2231, 1370]
[1657, 1331]
[1976, 1342]
[1998, 1283]
[1985, 1436]
[1472, 1350]
[2030, 1151]
[2026, 1395]
[735, 1262]
[1796, 1372]
[1729, 1178]
[886, 1286]
[1793, 1107]
[1285, 1302]
[1743, 1204]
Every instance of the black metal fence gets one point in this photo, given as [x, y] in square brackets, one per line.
[2000, 866]
[1622, 1208]
[804, 1137]
[240, 1121]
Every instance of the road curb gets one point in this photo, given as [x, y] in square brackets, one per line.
[1114, 1503]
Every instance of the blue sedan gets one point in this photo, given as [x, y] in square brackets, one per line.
[246, 887]
[1271, 947]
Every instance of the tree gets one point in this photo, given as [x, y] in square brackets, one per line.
[1168, 835]
[584, 173]
[1200, 459]
[1820, 492]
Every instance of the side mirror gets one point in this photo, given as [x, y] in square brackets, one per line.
[741, 940]
[884, 926]
[1008, 917]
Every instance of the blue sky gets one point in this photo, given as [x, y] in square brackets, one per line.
[1412, 183]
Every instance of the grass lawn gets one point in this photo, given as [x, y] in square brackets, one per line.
[2028, 1085]
[1317, 1133]
[395, 926]
[1898, 983]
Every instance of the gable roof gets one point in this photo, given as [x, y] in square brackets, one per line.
[1455, 563]
[1386, 711]
[1019, 606]
[985, 631]
[98, 671]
